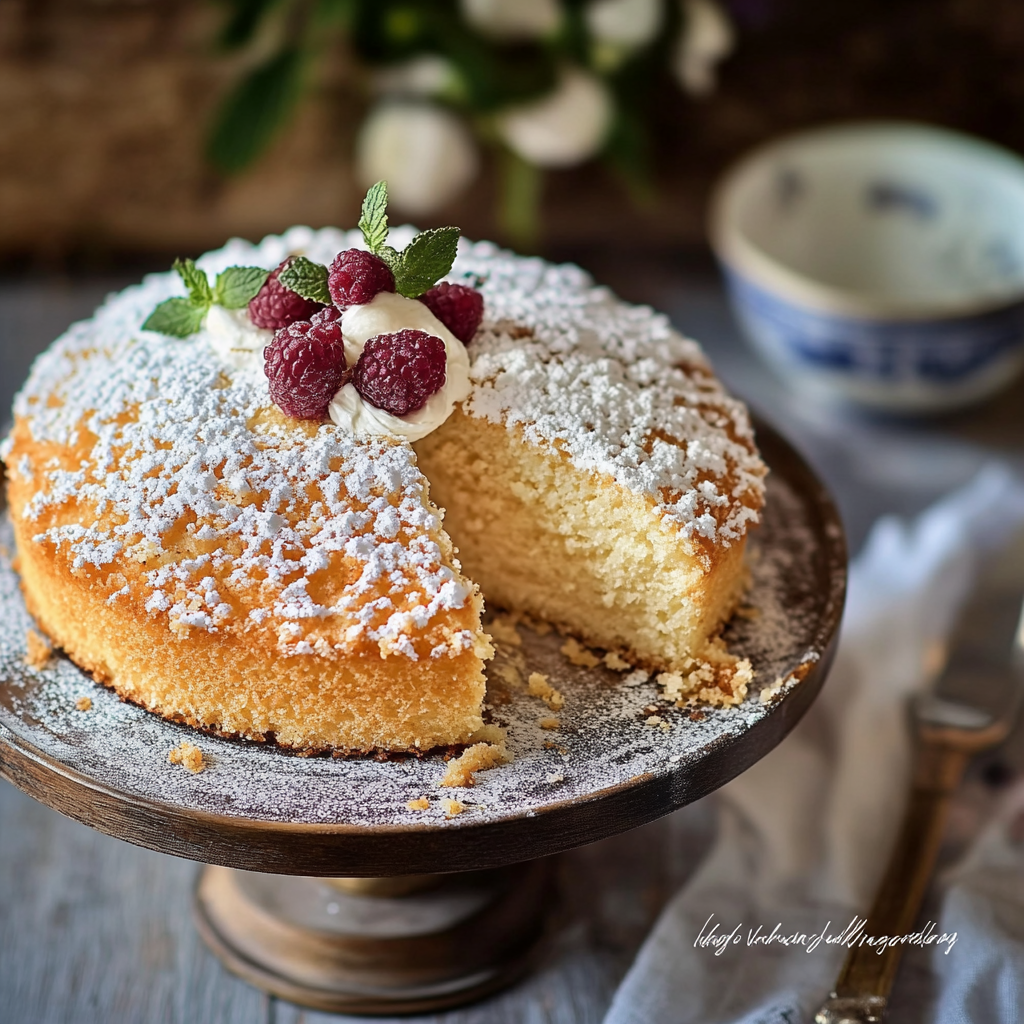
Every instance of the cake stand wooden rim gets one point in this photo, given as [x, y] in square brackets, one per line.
[308, 848]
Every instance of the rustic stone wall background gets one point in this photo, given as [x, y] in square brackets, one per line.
[104, 105]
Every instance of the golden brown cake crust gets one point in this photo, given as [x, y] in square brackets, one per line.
[221, 683]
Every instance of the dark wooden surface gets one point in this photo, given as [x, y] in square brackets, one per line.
[94, 931]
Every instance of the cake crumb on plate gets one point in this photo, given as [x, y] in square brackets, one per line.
[84, 703]
[548, 723]
[188, 756]
[538, 686]
[580, 655]
[37, 649]
[768, 692]
[508, 673]
[636, 678]
[452, 807]
[503, 629]
[476, 758]
[616, 662]
[419, 804]
[490, 733]
[713, 676]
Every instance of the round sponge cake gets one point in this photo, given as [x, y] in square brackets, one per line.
[224, 565]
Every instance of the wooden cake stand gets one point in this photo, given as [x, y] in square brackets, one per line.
[325, 888]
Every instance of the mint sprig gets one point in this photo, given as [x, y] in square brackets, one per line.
[176, 317]
[306, 278]
[237, 286]
[233, 289]
[417, 268]
[196, 282]
[423, 262]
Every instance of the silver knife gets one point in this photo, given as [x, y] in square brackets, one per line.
[971, 707]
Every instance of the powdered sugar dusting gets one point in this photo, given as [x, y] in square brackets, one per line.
[175, 447]
[615, 387]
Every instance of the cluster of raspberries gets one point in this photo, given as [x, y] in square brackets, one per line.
[305, 363]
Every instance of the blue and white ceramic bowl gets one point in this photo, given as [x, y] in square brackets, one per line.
[881, 263]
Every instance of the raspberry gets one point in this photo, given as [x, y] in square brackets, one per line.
[356, 277]
[305, 364]
[275, 306]
[399, 372]
[459, 308]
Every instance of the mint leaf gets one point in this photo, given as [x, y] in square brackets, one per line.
[392, 257]
[306, 278]
[177, 317]
[373, 221]
[426, 259]
[198, 286]
[237, 285]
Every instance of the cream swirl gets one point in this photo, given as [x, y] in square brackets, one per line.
[389, 313]
[235, 338]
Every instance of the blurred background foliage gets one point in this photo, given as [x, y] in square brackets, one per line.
[143, 128]
[541, 83]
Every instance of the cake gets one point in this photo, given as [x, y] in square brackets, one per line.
[320, 582]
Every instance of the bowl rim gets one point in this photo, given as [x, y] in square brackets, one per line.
[741, 256]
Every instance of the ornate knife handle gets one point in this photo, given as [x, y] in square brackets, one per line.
[862, 990]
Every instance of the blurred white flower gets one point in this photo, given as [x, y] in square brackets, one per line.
[626, 23]
[425, 153]
[426, 75]
[707, 38]
[561, 129]
[513, 19]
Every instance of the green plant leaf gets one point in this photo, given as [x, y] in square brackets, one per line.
[252, 114]
[237, 285]
[493, 76]
[428, 257]
[520, 200]
[196, 282]
[177, 317]
[244, 19]
[373, 221]
[306, 278]
[328, 13]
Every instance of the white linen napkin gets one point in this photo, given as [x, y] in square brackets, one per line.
[805, 834]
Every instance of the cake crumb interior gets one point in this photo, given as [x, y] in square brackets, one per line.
[543, 538]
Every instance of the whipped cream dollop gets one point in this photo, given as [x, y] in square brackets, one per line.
[389, 313]
[240, 343]
[235, 338]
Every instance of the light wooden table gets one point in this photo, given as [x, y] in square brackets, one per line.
[94, 931]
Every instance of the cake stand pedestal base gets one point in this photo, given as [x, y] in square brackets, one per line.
[376, 946]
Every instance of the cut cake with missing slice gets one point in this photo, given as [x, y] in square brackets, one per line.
[224, 565]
